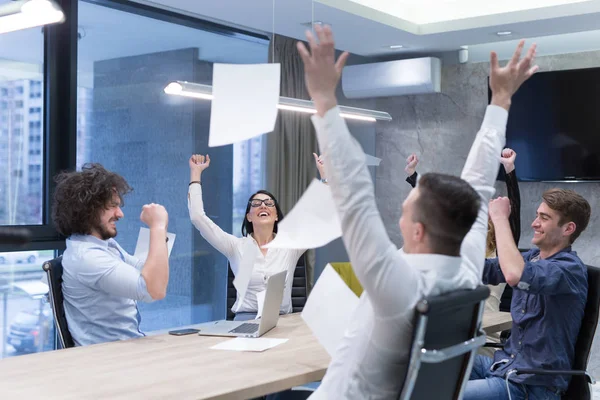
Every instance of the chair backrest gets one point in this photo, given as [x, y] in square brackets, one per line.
[299, 288]
[299, 285]
[231, 293]
[54, 272]
[446, 337]
[579, 388]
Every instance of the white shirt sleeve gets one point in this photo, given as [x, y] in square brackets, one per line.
[384, 274]
[224, 242]
[480, 171]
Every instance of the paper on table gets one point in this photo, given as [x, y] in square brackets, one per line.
[329, 309]
[245, 102]
[143, 244]
[249, 344]
[313, 222]
[372, 161]
[260, 298]
[244, 270]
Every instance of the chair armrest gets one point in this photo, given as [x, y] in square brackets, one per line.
[441, 355]
[538, 371]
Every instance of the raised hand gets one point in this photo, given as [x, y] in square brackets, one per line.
[198, 163]
[155, 216]
[508, 160]
[411, 164]
[505, 81]
[321, 71]
[499, 208]
[320, 165]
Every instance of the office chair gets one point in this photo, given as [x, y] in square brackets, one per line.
[446, 338]
[54, 271]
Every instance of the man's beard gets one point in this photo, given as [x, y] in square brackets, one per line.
[105, 233]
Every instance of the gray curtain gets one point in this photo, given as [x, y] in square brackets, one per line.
[290, 163]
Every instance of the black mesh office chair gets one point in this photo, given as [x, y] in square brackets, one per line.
[446, 338]
[579, 387]
[54, 271]
[299, 288]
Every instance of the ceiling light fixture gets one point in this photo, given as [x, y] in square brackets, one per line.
[23, 14]
[396, 46]
[504, 33]
[204, 92]
[310, 24]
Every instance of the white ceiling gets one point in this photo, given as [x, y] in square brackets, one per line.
[110, 33]
[425, 12]
[368, 32]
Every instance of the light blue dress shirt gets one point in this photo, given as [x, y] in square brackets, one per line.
[101, 287]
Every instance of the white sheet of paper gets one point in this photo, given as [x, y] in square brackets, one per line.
[249, 344]
[372, 161]
[312, 223]
[244, 272]
[260, 298]
[143, 244]
[245, 102]
[329, 309]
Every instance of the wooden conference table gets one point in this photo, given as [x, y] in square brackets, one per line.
[176, 367]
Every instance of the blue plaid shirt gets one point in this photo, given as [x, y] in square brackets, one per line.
[547, 309]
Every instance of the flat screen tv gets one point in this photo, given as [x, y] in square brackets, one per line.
[554, 126]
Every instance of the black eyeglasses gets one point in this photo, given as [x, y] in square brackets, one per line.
[258, 202]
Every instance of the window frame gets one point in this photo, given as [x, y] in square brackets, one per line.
[59, 117]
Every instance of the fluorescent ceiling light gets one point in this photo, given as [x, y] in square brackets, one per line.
[423, 12]
[200, 91]
[23, 14]
[396, 46]
[504, 33]
[313, 23]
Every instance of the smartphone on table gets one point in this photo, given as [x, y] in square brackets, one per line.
[181, 332]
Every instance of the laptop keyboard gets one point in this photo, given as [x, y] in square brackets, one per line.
[245, 328]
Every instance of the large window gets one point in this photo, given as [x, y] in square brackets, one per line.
[127, 123]
[26, 323]
[21, 132]
[248, 177]
[117, 115]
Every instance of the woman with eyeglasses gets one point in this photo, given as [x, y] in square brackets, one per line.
[259, 228]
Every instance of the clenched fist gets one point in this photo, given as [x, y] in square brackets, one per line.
[411, 164]
[155, 216]
[499, 208]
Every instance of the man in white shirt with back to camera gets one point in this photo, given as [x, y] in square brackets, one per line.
[443, 223]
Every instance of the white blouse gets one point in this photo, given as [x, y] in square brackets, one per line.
[232, 247]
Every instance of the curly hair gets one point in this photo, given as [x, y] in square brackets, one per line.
[80, 197]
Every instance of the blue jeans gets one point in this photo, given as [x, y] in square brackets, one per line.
[483, 386]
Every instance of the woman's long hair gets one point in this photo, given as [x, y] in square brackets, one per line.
[247, 227]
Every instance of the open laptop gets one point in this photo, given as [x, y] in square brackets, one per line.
[256, 328]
